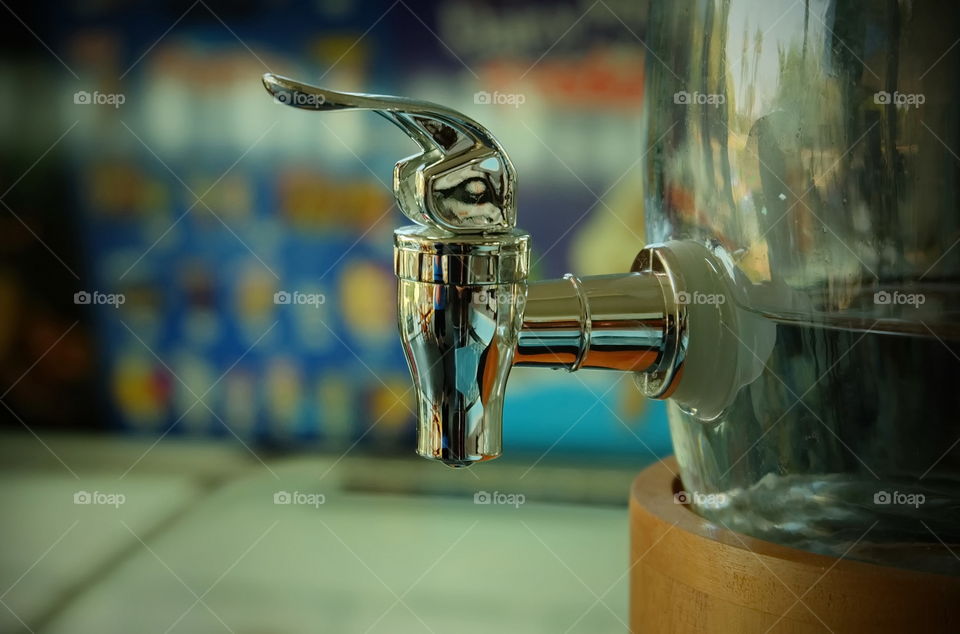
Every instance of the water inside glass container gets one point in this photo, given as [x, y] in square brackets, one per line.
[843, 443]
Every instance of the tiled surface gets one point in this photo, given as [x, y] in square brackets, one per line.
[357, 563]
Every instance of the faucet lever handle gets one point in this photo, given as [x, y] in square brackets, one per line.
[461, 182]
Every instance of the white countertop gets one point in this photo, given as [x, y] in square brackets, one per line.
[198, 545]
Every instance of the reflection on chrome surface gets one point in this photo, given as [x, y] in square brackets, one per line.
[462, 181]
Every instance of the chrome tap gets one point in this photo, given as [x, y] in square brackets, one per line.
[467, 313]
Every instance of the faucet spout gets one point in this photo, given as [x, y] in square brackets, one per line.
[460, 305]
[612, 322]
[467, 314]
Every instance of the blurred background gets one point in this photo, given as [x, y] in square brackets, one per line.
[199, 318]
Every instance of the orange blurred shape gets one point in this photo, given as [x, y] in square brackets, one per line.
[140, 389]
[309, 200]
[117, 188]
[600, 79]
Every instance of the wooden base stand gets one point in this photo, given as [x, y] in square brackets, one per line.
[689, 575]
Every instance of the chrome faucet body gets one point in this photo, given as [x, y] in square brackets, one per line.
[467, 312]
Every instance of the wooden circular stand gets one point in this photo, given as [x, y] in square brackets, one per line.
[689, 575]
